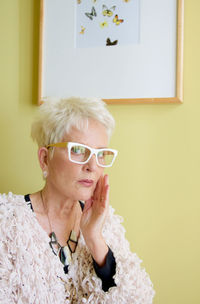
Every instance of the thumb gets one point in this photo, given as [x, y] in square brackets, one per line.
[87, 205]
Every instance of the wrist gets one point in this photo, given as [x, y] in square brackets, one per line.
[98, 249]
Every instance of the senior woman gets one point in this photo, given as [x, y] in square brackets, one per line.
[64, 244]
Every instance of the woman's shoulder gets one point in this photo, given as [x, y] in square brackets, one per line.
[12, 204]
[113, 224]
[113, 218]
[11, 199]
[114, 233]
[15, 217]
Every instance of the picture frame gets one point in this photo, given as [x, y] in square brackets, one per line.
[171, 39]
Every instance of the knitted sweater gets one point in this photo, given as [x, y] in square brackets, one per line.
[31, 274]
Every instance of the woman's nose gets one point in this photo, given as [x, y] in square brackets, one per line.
[91, 165]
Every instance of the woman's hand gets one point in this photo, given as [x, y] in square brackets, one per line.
[93, 218]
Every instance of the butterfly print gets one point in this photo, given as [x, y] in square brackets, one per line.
[109, 42]
[92, 14]
[108, 11]
[117, 21]
[104, 24]
[82, 30]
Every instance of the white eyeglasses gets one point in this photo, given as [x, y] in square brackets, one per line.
[81, 154]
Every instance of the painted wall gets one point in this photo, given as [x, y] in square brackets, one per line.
[154, 183]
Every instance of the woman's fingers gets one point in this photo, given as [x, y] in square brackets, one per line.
[100, 196]
[95, 209]
[87, 205]
[105, 191]
[97, 192]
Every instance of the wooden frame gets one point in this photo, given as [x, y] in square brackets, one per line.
[178, 98]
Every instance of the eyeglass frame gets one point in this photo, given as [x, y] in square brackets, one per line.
[69, 144]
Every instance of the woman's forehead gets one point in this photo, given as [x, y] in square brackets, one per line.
[92, 134]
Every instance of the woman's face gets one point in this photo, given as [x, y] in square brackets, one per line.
[76, 181]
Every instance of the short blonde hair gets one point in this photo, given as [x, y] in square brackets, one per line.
[58, 116]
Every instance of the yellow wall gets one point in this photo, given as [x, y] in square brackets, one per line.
[155, 188]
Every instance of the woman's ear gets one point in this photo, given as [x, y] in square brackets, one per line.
[43, 160]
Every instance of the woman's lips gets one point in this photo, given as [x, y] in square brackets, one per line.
[86, 182]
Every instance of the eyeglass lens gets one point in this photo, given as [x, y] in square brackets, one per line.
[81, 154]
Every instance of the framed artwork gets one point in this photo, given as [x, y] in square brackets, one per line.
[123, 51]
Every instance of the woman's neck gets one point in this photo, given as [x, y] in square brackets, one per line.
[56, 213]
[51, 202]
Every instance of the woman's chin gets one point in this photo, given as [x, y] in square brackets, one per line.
[85, 196]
